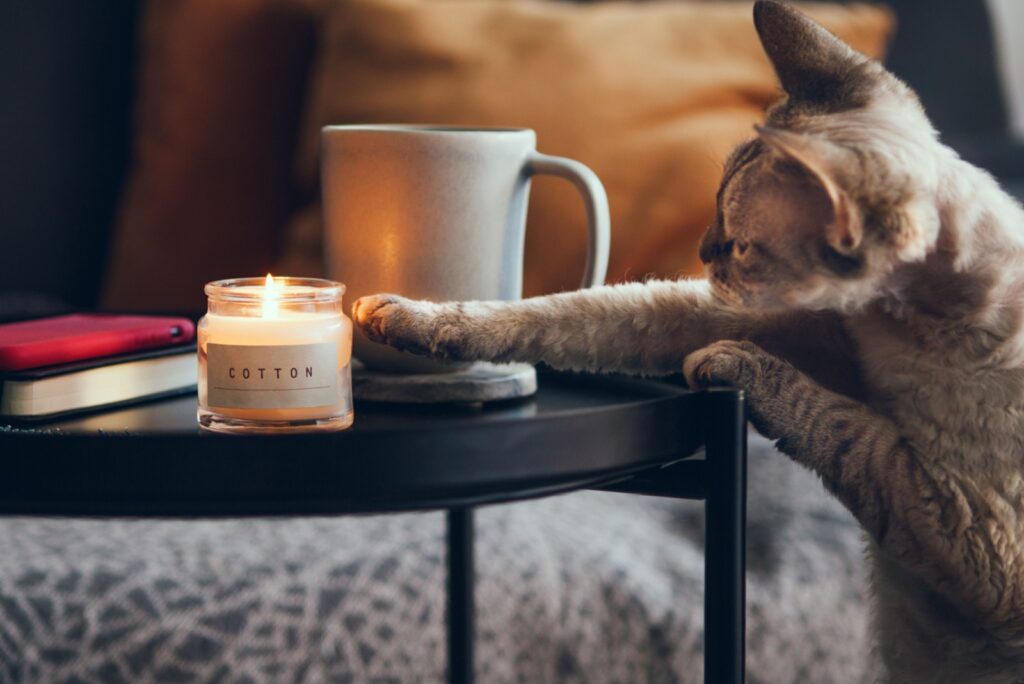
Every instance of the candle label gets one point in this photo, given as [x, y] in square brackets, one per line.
[272, 376]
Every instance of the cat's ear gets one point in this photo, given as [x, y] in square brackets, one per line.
[811, 63]
[820, 159]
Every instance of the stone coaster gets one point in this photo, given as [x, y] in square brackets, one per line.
[479, 382]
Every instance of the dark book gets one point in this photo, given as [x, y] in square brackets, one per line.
[97, 383]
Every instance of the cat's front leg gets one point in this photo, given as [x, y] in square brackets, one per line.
[924, 516]
[645, 328]
[631, 328]
[762, 376]
[850, 446]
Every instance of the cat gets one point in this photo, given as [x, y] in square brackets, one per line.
[865, 288]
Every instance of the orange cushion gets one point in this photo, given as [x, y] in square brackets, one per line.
[221, 87]
[652, 96]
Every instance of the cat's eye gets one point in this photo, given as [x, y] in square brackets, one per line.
[739, 247]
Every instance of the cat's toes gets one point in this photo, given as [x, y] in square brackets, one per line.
[414, 326]
[722, 363]
[374, 314]
[389, 319]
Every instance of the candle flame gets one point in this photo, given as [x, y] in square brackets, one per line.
[271, 293]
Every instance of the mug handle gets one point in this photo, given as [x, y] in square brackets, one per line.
[598, 222]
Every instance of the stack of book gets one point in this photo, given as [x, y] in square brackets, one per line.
[53, 367]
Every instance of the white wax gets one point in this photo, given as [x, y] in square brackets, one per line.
[283, 328]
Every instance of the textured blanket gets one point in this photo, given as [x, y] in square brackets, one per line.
[586, 587]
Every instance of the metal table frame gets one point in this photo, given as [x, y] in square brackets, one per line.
[720, 479]
[639, 444]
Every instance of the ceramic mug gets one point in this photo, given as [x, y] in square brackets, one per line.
[439, 213]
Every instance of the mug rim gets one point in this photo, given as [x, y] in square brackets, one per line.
[423, 129]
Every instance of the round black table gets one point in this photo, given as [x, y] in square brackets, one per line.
[578, 432]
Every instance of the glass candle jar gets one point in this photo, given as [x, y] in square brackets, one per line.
[275, 356]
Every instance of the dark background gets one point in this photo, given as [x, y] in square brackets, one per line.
[66, 81]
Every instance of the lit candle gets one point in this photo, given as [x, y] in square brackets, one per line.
[275, 355]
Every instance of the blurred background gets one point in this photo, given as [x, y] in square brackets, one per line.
[150, 146]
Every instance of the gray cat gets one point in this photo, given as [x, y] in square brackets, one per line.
[866, 289]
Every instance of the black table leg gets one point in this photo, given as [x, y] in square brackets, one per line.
[725, 538]
[460, 595]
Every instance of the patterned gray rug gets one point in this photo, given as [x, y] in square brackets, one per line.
[587, 587]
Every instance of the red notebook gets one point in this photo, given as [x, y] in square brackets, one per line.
[78, 337]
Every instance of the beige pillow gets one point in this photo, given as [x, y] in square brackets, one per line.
[652, 96]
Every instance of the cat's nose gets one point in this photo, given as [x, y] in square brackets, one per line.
[707, 249]
[710, 243]
[711, 249]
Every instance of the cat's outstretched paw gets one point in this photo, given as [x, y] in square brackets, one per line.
[392, 320]
[727, 362]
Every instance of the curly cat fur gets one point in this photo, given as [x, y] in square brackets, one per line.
[866, 289]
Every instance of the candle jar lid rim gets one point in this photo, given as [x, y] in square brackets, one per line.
[313, 289]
